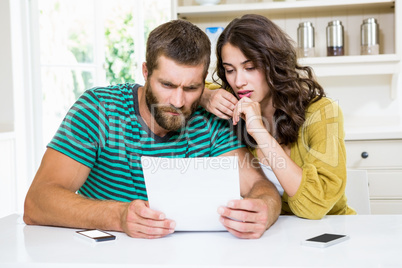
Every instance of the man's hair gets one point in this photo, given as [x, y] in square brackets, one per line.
[180, 41]
[292, 86]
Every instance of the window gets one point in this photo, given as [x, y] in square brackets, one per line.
[88, 43]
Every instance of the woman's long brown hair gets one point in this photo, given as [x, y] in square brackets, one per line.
[292, 86]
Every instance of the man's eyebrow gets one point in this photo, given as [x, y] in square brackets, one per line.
[163, 81]
[196, 85]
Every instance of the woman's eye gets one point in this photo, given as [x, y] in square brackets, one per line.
[250, 68]
[228, 71]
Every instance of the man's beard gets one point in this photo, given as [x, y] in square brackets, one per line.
[161, 111]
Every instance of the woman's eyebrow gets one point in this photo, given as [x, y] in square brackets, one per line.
[242, 63]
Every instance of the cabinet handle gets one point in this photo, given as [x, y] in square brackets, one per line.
[365, 155]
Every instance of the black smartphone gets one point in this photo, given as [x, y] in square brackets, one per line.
[325, 240]
[96, 235]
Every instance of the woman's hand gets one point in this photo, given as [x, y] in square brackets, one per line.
[250, 111]
[219, 102]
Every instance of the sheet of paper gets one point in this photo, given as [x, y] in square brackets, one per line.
[190, 190]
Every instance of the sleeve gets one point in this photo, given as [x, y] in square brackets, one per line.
[324, 163]
[211, 86]
[82, 132]
[223, 137]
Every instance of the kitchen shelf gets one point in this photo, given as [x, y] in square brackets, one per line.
[275, 7]
[343, 66]
[373, 133]
[288, 15]
[353, 65]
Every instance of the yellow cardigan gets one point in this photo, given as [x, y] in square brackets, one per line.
[320, 152]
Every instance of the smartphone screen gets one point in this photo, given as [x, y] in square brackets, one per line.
[97, 235]
[325, 240]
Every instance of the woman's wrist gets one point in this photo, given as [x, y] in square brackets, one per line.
[261, 136]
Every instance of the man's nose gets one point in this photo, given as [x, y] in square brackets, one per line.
[177, 98]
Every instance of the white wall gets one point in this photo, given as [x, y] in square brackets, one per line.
[16, 135]
[7, 174]
[6, 86]
[366, 101]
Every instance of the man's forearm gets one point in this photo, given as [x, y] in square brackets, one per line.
[266, 191]
[61, 207]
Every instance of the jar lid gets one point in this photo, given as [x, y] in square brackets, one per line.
[305, 24]
[369, 20]
[334, 22]
[305, 35]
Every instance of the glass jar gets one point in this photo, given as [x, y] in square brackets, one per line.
[335, 39]
[305, 39]
[370, 37]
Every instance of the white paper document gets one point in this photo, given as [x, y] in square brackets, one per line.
[190, 190]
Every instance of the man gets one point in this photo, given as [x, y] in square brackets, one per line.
[98, 146]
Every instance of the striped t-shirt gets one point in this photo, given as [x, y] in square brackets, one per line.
[104, 131]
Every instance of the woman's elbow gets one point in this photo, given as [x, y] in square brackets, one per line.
[311, 214]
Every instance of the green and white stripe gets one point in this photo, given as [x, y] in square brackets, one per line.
[104, 131]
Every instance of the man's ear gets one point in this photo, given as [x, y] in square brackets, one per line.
[144, 71]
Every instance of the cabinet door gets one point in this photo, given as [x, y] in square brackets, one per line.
[386, 206]
[7, 178]
[374, 154]
[385, 184]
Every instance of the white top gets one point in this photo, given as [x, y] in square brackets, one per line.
[375, 241]
[269, 173]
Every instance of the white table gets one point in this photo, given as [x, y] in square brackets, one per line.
[375, 241]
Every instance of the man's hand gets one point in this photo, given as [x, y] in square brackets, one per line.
[140, 221]
[247, 218]
[261, 206]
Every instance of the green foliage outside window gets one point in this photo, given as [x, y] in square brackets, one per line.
[119, 55]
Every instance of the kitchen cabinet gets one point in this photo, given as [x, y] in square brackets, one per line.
[383, 162]
[367, 88]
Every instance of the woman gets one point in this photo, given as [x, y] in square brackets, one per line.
[292, 127]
